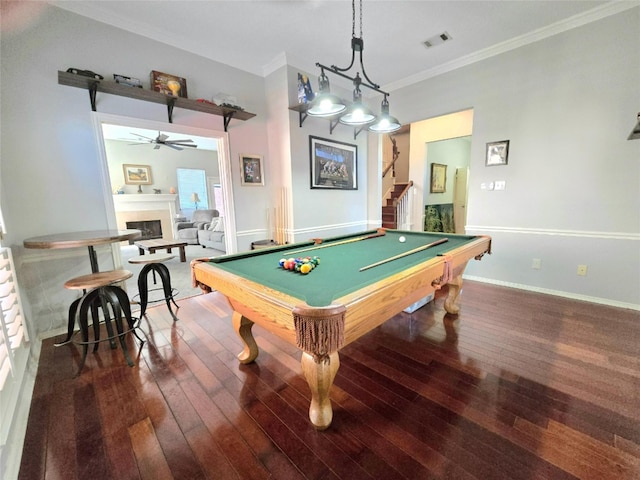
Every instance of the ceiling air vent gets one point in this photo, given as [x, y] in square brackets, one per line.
[437, 40]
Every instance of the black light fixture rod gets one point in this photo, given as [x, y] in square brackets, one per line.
[364, 84]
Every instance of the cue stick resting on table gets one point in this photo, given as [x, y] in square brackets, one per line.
[381, 233]
[410, 252]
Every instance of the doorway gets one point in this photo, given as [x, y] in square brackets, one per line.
[206, 140]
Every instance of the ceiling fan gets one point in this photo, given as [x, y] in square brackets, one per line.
[163, 139]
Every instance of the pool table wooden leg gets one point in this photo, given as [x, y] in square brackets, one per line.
[451, 302]
[320, 374]
[242, 326]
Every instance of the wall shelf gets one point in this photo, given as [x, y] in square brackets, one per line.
[333, 120]
[93, 86]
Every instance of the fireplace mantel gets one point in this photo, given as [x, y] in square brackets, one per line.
[143, 201]
[142, 206]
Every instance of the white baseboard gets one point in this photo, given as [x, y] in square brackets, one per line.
[557, 293]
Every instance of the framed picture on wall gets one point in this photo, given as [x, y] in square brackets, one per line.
[334, 164]
[137, 174]
[252, 172]
[497, 153]
[438, 178]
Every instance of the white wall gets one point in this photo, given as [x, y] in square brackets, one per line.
[567, 104]
[319, 212]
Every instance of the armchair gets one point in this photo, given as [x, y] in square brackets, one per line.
[188, 231]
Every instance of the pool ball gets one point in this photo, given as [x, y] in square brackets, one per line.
[402, 239]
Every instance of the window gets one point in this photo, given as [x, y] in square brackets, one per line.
[192, 181]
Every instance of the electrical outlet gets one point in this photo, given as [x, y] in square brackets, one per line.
[500, 184]
[536, 263]
[582, 270]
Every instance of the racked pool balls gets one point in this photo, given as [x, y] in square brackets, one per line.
[302, 265]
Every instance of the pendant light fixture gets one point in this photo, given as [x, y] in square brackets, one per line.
[385, 123]
[357, 114]
[325, 104]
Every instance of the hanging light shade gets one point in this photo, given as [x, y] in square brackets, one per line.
[357, 113]
[385, 123]
[325, 104]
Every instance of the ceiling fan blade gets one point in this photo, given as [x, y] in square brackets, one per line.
[161, 137]
[141, 136]
[156, 147]
[173, 146]
[188, 140]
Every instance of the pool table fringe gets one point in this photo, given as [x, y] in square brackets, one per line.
[319, 333]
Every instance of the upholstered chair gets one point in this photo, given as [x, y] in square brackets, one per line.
[188, 231]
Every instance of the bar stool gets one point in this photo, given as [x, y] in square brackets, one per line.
[99, 291]
[153, 263]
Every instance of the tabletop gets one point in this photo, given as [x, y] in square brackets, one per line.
[81, 239]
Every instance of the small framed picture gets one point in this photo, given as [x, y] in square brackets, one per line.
[251, 169]
[438, 178]
[168, 84]
[497, 153]
[334, 165]
[137, 174]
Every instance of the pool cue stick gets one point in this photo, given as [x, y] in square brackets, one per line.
[381, 232]
[410, 252]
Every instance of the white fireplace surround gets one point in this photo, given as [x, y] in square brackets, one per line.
[137, 207]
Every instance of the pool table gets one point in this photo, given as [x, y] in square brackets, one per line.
[362, 280]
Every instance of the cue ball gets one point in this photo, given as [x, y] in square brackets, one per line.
[401, 239]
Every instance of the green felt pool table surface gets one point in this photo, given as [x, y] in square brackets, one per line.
[339, 272]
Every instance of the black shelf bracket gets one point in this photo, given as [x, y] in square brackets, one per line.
[171, 103]
[93, 89]
[332, 125]
[302, 116]
[227, 118]
[357, 132]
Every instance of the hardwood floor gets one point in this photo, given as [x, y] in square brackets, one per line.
[518, 386]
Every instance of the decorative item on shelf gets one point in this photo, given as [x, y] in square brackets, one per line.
[226, 100]
[195, 199]
[251, 170]
[137, 174]
[140, 188]
[157, 191]
[172, 190]
[119, 190]
[497, 153]
[85, 73]
[333, 164]
[325, 104]
[168, 84]
[305, 93]
[127, 81]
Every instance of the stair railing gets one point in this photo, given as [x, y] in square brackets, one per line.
[403, 206]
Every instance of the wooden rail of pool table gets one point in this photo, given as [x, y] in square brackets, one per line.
[362, 311]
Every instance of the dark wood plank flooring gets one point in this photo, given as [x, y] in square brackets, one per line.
[518, 386]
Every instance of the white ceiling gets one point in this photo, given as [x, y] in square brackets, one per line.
[131, 135]
[259, 36]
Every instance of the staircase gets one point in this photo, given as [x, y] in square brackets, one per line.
[390, 210]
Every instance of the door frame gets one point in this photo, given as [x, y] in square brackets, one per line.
[224, 165]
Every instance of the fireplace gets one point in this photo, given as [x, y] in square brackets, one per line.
[150, 229]
[143, 207]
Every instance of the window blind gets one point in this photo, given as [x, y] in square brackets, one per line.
[12, 331]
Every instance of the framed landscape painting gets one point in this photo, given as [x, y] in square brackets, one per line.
[333, 164]
[137, 174]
